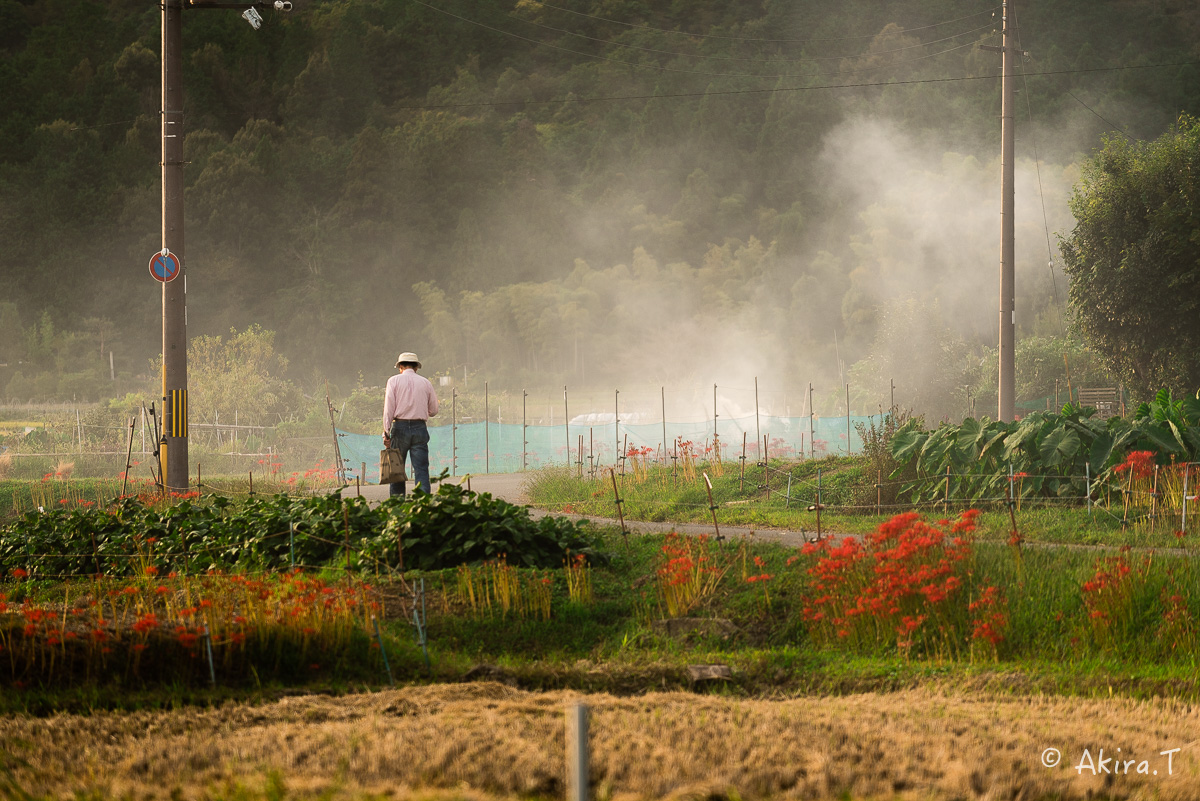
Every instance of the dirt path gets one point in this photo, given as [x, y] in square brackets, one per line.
[511, 487]
[486, 739]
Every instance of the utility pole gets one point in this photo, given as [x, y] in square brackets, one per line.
[173, 443]
[1006, 399]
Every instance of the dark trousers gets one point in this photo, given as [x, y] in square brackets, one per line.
[411, 438]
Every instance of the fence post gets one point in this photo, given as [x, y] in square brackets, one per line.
[712, 507]
[663, 391]
[742, 473]
[616, 425]
[577, 752]
[453, 431]
[812, 441]
[757, 424]
[878, 492]
[847, 419]
[567, 425]
[617, 498]
[1087, 474]
[787, 504]
[946, 502]
[1187, 469]
[487, 439]
[818, 500]
[524, 442]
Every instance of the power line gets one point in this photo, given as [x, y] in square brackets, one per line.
[1037, 163]
[686, 95]
[991, 11]
[1111, 125]
[660, 68]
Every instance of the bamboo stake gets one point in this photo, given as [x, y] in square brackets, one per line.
[946, 502]
[620, 513]
[712, 508]
[663, 392]
[567, 425]
[878, 492]
[742, 473]
[818, 500]
[1154, 499]
[129, 460]
[487, 439]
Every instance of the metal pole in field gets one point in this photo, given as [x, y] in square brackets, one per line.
[577, 752]
[847, 419]
[1187, 468]
[454, 431]
[567, 425]
[812, 440]
[757, 425]
[487, 441]
[524, 441]
[617, 426]
[663, 393]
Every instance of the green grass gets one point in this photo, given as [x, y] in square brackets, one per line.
[847, 490]
[614, 644]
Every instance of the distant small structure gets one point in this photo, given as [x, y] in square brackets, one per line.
[1106, 401]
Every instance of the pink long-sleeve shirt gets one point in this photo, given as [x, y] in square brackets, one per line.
[408, 396]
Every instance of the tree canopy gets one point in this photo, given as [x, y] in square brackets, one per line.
[1134, 258]
[788, 168]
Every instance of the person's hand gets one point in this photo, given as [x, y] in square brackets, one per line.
[387, 441]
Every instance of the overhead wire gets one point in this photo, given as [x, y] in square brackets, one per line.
[1037, 163]
[991, 10]
[769, 90]
[1111, 125]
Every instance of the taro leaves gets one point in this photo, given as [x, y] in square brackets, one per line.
[1056, 452]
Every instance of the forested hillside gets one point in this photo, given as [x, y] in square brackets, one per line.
[585, 191]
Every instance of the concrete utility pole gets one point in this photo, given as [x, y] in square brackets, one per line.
[173, 444]
[1006, 394]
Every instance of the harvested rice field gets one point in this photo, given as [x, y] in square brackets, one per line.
[487, 740]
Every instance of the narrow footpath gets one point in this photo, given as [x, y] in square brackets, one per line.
[511, 487]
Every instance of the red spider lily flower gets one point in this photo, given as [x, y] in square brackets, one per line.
[139, 648]
[19, 573]
[161, 590]
[99, 635]
[151, 570]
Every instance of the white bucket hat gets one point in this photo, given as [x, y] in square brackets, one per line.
[409, 357]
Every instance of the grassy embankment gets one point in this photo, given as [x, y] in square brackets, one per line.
[848, 495]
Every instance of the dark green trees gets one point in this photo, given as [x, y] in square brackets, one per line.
[1134, 258]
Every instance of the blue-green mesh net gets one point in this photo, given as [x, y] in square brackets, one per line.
[470, 448]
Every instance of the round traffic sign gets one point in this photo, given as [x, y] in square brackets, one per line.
[164, 266]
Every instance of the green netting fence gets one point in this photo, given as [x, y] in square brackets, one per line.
[509, 448]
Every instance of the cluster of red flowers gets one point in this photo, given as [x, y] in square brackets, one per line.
[1178, 628]
[761, 564]
[990, 619]
[317, 474]
[1108, 595]
[1140, 462]
[900, 576]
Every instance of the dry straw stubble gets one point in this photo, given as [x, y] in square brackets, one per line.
[494, 740]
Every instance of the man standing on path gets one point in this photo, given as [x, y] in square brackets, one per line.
[408, 402]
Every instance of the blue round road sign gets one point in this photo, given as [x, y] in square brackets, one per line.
[164, 266]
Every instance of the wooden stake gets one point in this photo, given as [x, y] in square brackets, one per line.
[712, 508]
[742, 474]
[620, 513]
[878, 491]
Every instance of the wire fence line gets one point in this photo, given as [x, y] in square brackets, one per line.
[492, 447]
